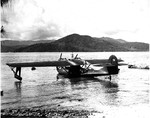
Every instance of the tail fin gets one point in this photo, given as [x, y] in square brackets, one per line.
[113, 60]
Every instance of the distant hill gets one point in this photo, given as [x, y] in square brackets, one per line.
[12, 45]
[83, 43]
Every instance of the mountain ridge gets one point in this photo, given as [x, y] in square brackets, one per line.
[81, 43]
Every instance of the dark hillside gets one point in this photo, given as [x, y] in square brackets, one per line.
[82, 43]
[12, 45]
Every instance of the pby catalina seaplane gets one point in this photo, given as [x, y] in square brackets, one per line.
[74, 67]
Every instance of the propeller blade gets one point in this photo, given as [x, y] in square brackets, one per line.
[60, 56]
[76, 56]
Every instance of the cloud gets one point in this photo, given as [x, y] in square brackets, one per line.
[113, 32]
[45, 19]
[42, 32]
[23, 20]
[118, 31]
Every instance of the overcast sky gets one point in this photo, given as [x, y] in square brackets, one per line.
[52, 19]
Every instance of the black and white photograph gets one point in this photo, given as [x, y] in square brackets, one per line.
[75, 59]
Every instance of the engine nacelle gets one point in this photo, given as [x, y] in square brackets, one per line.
[113, 60]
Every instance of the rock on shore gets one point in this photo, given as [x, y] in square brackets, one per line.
[44, 113]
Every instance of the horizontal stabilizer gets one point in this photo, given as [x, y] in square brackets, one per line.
[122, 64]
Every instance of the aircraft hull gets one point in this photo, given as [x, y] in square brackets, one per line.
[70, 70]
[74, 71]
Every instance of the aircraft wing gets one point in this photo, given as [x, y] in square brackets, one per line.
[59, 63]
[101, 62]
[98, 61]
[40, 64]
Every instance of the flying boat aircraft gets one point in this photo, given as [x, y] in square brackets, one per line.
[74, 67]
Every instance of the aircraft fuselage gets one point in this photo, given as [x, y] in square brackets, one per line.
[77, 70]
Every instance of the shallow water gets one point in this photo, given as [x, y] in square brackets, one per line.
[42, 87]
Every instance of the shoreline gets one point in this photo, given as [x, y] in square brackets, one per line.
[45, 113]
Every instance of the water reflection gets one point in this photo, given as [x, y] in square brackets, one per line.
[18, 87]
[107, 84]
[91, 88]
[85, 80]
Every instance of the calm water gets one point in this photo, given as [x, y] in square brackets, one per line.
[129, 90]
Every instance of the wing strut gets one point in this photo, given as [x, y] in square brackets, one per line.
[17, 73]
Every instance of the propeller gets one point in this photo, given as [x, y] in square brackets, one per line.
[60, 56]
[76, 56]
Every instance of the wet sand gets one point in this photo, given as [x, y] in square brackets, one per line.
[137, 111]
